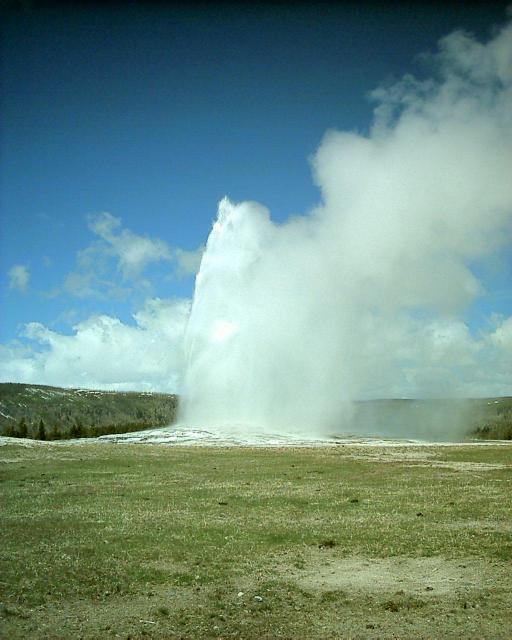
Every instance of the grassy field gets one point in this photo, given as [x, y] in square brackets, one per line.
[134, 541]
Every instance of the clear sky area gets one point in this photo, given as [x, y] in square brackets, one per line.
[122, 128]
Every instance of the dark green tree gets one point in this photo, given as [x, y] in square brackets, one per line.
[41, 431]
[11, 431]
[76, 430]
[22, 428]
[56, 434]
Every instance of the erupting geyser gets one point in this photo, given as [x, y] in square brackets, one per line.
[292, 322]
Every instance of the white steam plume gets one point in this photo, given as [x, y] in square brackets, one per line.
[290, 323]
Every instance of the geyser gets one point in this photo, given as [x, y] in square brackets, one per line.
[290, 323]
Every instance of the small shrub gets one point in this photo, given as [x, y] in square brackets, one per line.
[327, 544]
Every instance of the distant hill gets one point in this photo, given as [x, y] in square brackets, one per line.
[44, 412]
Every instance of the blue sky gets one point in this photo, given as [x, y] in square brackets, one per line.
[154, 114]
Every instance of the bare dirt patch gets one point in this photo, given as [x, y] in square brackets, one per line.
[426, 577]
[480, 526]
[420, 457]
[120, 617]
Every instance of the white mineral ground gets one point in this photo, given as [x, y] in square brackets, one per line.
[189, 436]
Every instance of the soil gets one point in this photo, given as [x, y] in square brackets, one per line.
[425, 577]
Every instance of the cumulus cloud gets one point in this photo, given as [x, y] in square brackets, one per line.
[105, 353]
[94, 276]
[115, 265]
[133, 252]
[18, 277]
[130, 253]
[502, 336]
[365, 296]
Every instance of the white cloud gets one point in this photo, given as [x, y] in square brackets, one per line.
[94, 277]
[18, 277]
[134, 252]
[502, 336]
[18, 363]
[104, 353]
[104, 224]
[114, 265]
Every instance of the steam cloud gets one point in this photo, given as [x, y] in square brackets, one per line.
[291, 323]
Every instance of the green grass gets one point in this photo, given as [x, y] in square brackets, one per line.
[155, 541]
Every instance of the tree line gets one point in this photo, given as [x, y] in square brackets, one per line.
[41, 431]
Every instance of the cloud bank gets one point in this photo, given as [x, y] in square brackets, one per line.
[101, 352]
[104, 353]
[364, 296]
